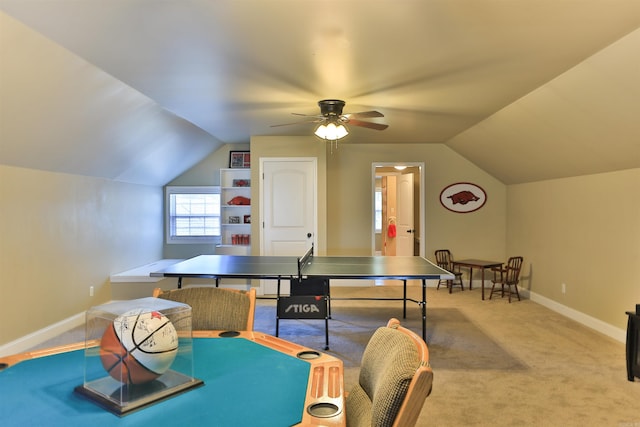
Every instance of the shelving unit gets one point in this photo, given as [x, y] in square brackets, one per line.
[235, 198]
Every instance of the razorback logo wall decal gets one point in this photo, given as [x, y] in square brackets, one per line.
[463, 197]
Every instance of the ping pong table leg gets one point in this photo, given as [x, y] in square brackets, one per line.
[326, 333]
[179, 282]
[277, 303]
[327, 302]
[404, 300]
[423, 303]
[328, 293]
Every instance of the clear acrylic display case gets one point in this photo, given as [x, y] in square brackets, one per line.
[137, 352]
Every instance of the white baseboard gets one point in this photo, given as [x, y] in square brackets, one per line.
[26, 342]
[29, 341]
[588, 321]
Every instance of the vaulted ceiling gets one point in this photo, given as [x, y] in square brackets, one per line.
[526, 89]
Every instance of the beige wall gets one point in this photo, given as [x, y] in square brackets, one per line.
[61, 234]
[481, 234]
[349, 196]
[584, 232]
[345, 197]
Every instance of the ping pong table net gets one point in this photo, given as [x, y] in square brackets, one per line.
[302, 261]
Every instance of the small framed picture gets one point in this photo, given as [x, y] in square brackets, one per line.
[239, 159]
[234, 220]
[247, 219]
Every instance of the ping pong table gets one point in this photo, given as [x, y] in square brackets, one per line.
[309, 266]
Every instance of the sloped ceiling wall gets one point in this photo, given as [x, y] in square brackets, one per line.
[585, 121]
[60, 113]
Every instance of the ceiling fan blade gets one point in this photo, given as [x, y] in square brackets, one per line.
[315, 120]
[365, 114]
[370, 125]
[320, 116]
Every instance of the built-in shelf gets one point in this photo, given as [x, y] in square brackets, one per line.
[235, 197]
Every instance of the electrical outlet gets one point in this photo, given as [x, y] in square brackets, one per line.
[90, 291]
[564, 288]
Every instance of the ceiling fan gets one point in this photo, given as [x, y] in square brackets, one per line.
[331, 114]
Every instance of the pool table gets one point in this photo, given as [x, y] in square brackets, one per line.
[251, 379]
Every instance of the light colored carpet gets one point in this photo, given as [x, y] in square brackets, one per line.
[494, 363]
[455, 342]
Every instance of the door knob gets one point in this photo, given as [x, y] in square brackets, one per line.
[309, 235]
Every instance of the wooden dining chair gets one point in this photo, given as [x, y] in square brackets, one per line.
[445, 261]
[395, 379]
[508, 276]
[220, 309]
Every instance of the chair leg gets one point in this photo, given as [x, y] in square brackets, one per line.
[452, 283]
[502, 291]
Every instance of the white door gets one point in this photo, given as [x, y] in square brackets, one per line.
[288, 209]
[404, 217]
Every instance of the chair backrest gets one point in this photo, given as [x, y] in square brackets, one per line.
[443, 259]
[215, 308]
[395, 379]
[512, 271]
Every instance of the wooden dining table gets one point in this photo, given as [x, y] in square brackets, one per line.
[476, 263]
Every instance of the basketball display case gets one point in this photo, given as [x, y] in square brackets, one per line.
[137, 352]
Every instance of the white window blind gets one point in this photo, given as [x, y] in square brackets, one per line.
[193, 214]
[378, 210]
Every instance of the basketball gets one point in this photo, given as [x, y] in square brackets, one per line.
[138, 346]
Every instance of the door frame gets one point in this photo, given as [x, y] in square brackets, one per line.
[262, 161]
[421, 201]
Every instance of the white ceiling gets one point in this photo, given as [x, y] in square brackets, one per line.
[525, 89]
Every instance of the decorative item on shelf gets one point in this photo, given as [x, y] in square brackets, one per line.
[247, 219]
[239, 159]
[234, 220]
[242, 183]
[463, 197]
[240, 239]
[239, 200]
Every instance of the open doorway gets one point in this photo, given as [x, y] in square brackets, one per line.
[398, 209]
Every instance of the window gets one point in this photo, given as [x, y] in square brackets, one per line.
[193, 214]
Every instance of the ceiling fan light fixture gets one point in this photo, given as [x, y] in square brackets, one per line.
[331, 132]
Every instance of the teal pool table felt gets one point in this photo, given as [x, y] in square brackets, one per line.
[245, 384]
